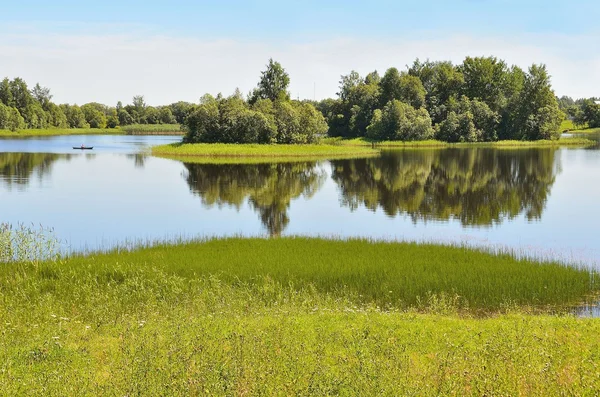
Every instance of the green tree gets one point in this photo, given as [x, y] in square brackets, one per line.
[457, 128]
[390, 86]
[124, 117]
[151, 115]
[485, 79]
[537, 115]
[42, 95]
[358, 99]
[589, 114]
[400, 121]
[468, 121]
[441, 81]
[55, 116]
[75, 117]
[112, 119]
[93, 115]
[273, 84]
[166, 116]
[6, 96]
[35, 116]
[10, 118]
[289, 126]
[21, 96]
[203, 124]
[312, 121]
[181, 110]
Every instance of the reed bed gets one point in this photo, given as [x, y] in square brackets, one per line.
[387, 274]
[152, 129]
[362, 142]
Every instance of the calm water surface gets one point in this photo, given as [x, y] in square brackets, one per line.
[543, 202]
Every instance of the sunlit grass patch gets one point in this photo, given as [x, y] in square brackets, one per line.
[152, 129]
[257, 150]
[358, 142]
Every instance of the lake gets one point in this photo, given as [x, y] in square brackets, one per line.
[538, 202]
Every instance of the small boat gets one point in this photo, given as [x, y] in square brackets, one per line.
[83, 147]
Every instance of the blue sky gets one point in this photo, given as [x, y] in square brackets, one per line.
[319, 40]
[270, 19]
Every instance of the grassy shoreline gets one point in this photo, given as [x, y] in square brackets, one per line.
[138, 129]
[206, 150]
[293, 316]
[585, 131]
[564, 141]
[332, 148]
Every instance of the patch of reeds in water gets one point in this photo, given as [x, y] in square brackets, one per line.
[388, 274]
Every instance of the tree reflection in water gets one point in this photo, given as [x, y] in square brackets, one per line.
[268, 188]
[16, 169]
[478, 186]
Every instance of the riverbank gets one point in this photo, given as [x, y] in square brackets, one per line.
[562, 142]
[299, 315]
[138, 129]
[332, 148]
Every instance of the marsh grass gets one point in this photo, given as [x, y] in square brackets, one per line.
[287, 316]
[387, 274]
[363, 142]
[152, 129]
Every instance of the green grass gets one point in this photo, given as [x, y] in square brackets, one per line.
[178, 150]
[60, 131]
[387, 274]
[586, 131]
[567, 125]
[570, 127]
[159, 129]
[292, 316]
[363, 142]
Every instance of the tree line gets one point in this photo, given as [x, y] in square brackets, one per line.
[481, 99]
[22, 108]
[583, 112]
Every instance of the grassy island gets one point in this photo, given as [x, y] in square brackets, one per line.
[331, 148]
[295, 316]
[221, 150]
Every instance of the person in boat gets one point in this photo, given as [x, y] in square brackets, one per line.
[82, 146]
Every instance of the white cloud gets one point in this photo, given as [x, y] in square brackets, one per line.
[111, 67]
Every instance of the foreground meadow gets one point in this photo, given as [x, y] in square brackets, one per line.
[296, 316]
